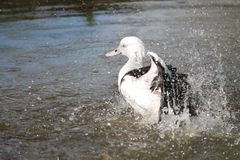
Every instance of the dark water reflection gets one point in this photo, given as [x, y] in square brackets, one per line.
[58, 93]
[15, 9]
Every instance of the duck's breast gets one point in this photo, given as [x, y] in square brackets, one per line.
[138, 94]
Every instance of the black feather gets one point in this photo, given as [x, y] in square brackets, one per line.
[137, 73]
[177, 93]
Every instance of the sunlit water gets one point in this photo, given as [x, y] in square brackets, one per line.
[59, 97]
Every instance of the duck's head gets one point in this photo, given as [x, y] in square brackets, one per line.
[132, 47]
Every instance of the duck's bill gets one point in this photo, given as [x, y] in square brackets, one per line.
[112, 53]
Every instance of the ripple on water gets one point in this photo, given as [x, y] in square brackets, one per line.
[56, 92]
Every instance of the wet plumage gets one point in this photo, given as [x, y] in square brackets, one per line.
[154, 90]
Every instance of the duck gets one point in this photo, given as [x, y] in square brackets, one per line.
[155, 90]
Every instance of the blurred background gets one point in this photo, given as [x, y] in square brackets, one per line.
[59, 96]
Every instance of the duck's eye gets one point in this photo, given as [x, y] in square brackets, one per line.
[124, 45]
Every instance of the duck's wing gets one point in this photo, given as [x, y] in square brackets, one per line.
[176, 90]
[180, 93]
[156, 72]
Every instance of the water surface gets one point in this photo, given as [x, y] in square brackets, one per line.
[58, 93]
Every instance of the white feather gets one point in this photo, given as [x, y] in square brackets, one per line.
[137, 91]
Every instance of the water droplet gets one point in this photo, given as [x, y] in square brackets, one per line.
[63, 120]
[71, 118]
[57, 128]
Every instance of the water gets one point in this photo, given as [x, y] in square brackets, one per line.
[58, 93]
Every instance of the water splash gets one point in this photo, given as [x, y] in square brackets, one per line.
[208, 82]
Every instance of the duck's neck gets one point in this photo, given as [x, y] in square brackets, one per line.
[132, 63]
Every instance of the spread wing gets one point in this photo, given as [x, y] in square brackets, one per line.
[175, 88]
[178, 93]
